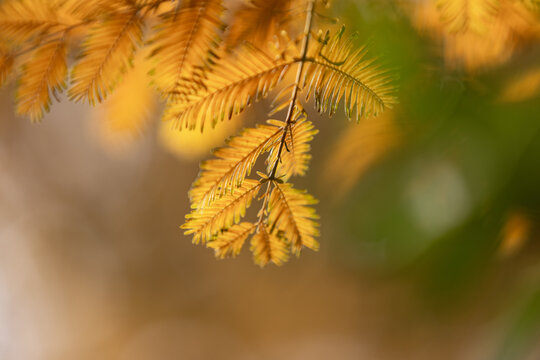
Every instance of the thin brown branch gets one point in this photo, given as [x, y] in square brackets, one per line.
[294, 95]
[290, 111]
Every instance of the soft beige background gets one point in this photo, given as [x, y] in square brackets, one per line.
[93, 266]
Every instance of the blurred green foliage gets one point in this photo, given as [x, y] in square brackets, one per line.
[435, 210]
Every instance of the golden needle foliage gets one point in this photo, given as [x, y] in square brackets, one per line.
[205, 80]
[185, 40]
[464, 15]
[477, 34]
[295, 160]
[268, 247]
[258, 20]
[241, 78]
[290, 214]
[106, 54]
[24, 20]
[44, 74]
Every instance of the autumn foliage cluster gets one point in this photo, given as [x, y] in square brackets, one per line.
[208, 64]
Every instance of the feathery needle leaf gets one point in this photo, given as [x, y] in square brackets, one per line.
[243, 77]
[289, 212]
[42, 76]
[107, 52]
[24, 19]
[267, 247]
[295, 158]
[206, 222]
[230, 242]
[337, 71]
[185, 40]
[224, 174]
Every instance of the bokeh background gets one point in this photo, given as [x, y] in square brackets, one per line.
[429, 218]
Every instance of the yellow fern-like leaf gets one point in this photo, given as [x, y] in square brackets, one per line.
[257, 21]
[89, 10]
[185, 40]
[206, 222]
[491, 43]
[106, 54]
[42, 76]
[289, 212]
[23, 19]
[268, 247]
[229, 243]
[295, 157]
[337, 69]
[464, 15]
[238, 80]
[232, 164]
